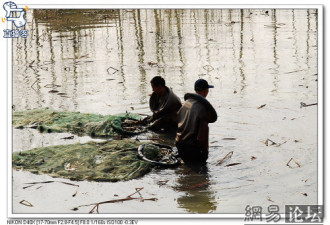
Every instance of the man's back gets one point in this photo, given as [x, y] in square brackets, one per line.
[190, 116]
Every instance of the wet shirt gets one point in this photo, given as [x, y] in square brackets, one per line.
[193, 119]
[165, 106]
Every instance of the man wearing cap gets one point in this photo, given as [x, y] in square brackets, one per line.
[164, 104]
[193, 131]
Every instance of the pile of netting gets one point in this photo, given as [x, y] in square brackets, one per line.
[94, 125]
[114, 160]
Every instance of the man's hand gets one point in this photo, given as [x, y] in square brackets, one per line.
[147, 120]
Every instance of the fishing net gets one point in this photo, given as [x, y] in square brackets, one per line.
[112, 161]
[158, 154]
[94, 125]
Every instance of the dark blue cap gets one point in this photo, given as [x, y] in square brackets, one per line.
[201, 85]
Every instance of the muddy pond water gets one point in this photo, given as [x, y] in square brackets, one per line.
[262, 62]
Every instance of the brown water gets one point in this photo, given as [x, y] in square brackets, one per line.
[101, 61]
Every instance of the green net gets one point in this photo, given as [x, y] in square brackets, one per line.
[94, 125]
[115, 160]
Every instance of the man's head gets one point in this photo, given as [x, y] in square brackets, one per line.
[158, 85]
[202, 87]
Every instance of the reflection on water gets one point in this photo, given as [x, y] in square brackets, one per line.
[101, 61]
[84, 59]
[197, 195]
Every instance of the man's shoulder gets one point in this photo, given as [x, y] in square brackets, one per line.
[195, 104]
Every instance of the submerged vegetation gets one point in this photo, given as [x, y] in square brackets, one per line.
[111, 160]
[115, 160]
[94, 125]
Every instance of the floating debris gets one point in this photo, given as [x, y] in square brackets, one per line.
[112, 70]
[34, 83]
[208, 68]
[294, 71]
[269, 142]
[128, 198]
[94, 125]
[229, 154]
[261, 106]
[162, 182]
[229, 139]
[152, 64]
[232, 164]
[302, 104]
[62, 94]
[305, 194]
[271, 26]
[31, 64]
[52, 181]
[269, 199]
[253, 157]
[292, 159]
[26, 203]
[107, 104]
[52, 85]
[69, 137]
[109, 161]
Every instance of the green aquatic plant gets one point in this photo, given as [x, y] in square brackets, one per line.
[112, 161]
[94, 125]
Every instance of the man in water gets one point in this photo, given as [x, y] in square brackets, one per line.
[192, 139]
[164, 105]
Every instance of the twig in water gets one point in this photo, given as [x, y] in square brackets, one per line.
[30, 65]
[292, 159]
[294, 71]
[269, 199]
[128, 198]
[34, 83]
[106, 104]
[223, 159]
[302, 104]
[51, 181]
[26, 203]
[271, 142]
[115, 70]
[278, 145]
[97, 209]
[232, 164]
[112, 201]
[69, 137]
[162, 182]
[137, 191]
[261, 106]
